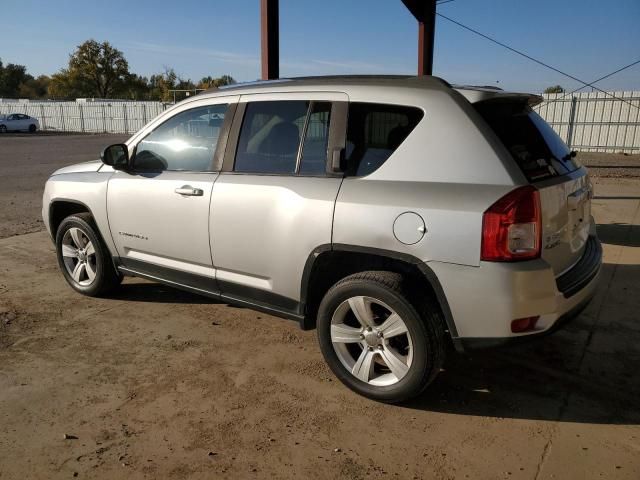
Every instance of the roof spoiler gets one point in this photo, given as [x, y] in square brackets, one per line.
[483, 94]
[531, 99]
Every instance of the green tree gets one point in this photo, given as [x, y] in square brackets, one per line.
[137, 88]
[161, 84]
[554, 89]
[11, 77]
[211, 82]
[95, 70]
[66, 84]
[34, 87]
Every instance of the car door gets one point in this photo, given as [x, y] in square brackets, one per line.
[159, 209]
[27, 121]
[13, 122]
[273, 202]
[23, 122]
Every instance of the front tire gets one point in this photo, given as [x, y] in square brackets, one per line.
[83, 258]
[3, 129]
[377, 339]
[32, 128]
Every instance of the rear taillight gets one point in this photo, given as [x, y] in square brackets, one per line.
[511, 227]
[524, 324]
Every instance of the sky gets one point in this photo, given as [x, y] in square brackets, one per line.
[585, 38]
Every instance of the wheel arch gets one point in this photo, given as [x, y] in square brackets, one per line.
[329, 263]
[61, 208]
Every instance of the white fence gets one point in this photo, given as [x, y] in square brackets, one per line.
[595, 121]
[94, 117]
[586, 121]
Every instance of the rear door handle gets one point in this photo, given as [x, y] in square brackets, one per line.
[189, 190]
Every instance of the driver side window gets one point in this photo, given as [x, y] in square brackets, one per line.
[185, 142]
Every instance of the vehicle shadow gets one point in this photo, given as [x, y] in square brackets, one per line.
[586, 372]
[619, 234]
[142, 291]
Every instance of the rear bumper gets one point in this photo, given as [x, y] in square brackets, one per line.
[571, 282]
[485, 300]
[479, 343]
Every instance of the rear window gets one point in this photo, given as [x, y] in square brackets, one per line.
[374, 131]
[533, 144]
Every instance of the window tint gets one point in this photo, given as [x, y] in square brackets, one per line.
[314, 149]
[270, 137]
[535, 147]
[187, 141]
[374, 132]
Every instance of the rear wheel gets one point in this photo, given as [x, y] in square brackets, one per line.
[376, 340]
[83, 258]
[32, 128]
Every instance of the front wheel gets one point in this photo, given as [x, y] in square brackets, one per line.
[32, 128]
[3, 129]
[83, 258]
[379, 340]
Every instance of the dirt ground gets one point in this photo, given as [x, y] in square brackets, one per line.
[157, 383]
[26, 161]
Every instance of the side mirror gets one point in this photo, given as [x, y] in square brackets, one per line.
[116, 156]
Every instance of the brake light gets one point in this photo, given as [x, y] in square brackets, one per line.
[512, 227]
[524, 324]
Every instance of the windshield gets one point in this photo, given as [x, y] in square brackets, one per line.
[533, 144]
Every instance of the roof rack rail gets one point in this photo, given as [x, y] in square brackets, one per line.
[252, 83]
[484, 87]
[351, 76]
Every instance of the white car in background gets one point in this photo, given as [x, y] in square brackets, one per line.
[18, 122]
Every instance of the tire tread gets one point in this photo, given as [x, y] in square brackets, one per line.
[111, 278]
[426, 309]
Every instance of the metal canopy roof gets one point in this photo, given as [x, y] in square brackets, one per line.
[423, 10]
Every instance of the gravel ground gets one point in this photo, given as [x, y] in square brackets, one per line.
[26, 161]
[156, 383]
[611, 165]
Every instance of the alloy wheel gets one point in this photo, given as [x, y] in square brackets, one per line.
[79, 256]
[371, 341]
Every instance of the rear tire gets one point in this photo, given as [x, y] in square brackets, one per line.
[83, 257]
[378, 339]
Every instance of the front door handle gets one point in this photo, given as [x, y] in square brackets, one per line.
[189, 190]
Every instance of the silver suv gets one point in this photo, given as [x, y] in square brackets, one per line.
[397, 215]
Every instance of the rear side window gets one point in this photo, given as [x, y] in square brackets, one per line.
[314, 150]
[270, 137]
[272, 133]
[534, 145]
[374, 132]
